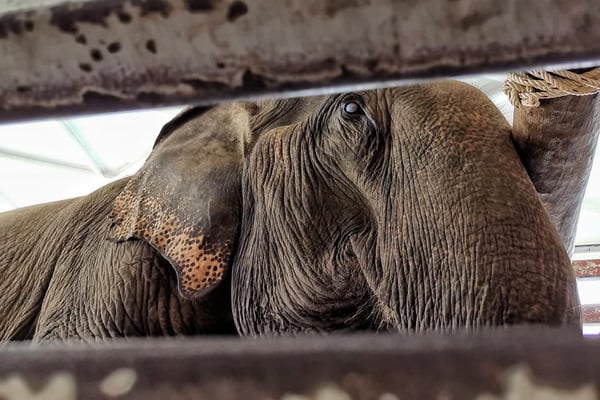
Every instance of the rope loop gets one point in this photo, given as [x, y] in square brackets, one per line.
[527, 89]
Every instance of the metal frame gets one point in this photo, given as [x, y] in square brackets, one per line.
[103, 55]
[519, 363]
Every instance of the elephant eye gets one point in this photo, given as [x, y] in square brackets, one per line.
[353, 108]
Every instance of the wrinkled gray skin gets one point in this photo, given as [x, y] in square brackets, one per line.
[413, 214]
[557, 143]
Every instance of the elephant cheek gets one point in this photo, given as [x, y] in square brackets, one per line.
[376, 274]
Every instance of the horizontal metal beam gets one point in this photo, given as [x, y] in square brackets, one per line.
[590, 313]
[516, 363]
[107, 55]
[587, 268]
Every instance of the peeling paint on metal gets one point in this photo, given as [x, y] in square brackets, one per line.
[61, 385]
[139, 53]
[199, 5]
[527, 362]
[520, 385]
[118, 382]
[147, 7]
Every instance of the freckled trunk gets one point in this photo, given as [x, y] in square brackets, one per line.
[463, 241]
[557, 142]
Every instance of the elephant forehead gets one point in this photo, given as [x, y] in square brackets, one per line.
[446, 107]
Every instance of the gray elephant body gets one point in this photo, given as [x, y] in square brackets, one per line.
[404, 209]
[62, 279]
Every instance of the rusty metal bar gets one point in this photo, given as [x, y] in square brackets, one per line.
[590, 313]
[586, 268]
[107, 55]
[515, 363]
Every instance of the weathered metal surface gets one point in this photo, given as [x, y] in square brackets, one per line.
[590, 313]
[114, 54]
[515, 364]
[587, 268]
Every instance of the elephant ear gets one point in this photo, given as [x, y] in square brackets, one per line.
[186, 199]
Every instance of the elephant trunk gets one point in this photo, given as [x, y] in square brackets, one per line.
[463, 241]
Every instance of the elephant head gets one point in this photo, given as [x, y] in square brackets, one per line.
[404, 208]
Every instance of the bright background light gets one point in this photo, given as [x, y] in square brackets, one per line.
[588, 290]
[51, 160]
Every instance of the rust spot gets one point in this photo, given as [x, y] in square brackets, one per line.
[146, 7]
[81, 39]
[220, 65]
[475, 19]
[236, 10]
[29, 25]
[124, 17]
[332, 7]
[23, 89]
[85, 67]
[200, 5]
[249, 80]
[10, 24]
[96, 55]
[114, 47]
[66, 17]
[151, 46]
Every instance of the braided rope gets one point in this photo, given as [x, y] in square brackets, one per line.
[528, 88]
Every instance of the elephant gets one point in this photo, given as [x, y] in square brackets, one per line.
[404, 209]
